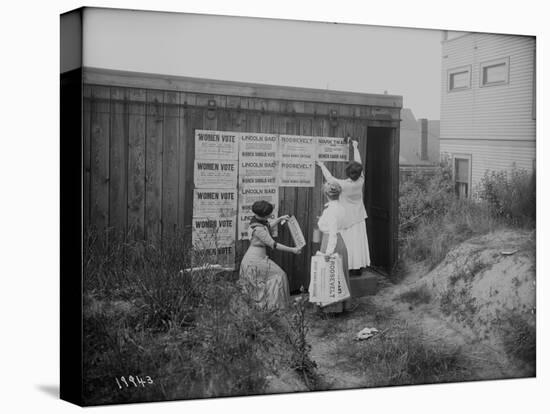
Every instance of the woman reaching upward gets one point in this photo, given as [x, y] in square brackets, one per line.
[351, 199]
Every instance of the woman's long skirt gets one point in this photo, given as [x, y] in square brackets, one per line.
[264, 281]
[342, 251]
[357, 244]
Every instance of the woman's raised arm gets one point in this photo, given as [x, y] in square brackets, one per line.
[326, 173]
[356, 153]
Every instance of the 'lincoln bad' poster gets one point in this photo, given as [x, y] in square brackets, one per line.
[247, 196]
[258, 159]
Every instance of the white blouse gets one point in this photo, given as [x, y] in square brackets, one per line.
[332, 222]
[351, 197]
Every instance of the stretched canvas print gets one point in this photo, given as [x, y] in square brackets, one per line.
[198, 149]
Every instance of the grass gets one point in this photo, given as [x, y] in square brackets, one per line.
[519, 339]
[195, 334]
[416, 296]
[401, 355]
[468, 273]
[433, 220]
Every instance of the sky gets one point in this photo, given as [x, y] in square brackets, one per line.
[347, 57]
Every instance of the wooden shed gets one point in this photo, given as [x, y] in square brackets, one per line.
[138, 150]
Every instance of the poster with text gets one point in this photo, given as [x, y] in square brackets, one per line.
[258, 159]
[222, 256]
[247, 196]
[332, 149]
[297, 147]
[208, 231]
[297, 173]
[214, 202]
[218, 145]
[211, 173]
[214, 241]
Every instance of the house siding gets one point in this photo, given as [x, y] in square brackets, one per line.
[503, 112]
[493, 124]
[492, 155]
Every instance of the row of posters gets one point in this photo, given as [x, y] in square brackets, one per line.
[232, 170]
[223, 159]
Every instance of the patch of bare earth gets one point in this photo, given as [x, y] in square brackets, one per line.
[477, 307]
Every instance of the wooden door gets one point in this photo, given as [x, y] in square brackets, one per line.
[378, 196]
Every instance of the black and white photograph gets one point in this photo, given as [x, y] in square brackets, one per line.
[262, 208]
[259, 219]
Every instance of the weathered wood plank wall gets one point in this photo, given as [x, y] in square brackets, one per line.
[139, 151]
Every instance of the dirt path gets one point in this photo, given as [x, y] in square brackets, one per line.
[328, 336]
[456, 314]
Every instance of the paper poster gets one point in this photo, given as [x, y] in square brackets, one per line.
[212, 232]
[296, 232]
[297, 174]
[219, 145]
[297, 147]
[223, 256]
[258, 159]
[215, 173]
[332, 149]
[247, 196]
[214, 202]
[214, 241]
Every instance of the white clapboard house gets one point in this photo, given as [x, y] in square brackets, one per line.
[488, 105]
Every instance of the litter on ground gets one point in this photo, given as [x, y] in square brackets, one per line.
[366, 334]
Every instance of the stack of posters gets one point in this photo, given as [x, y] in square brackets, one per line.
[215, 198]
[258, 176]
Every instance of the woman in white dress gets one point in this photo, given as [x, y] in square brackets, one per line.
[331, 225]
[355, 229]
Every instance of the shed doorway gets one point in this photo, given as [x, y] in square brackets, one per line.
[378, 196]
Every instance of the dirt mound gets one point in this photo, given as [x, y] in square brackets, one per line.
[485, 286]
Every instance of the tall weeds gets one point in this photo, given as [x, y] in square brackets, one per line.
[433, 219]
[193, 332]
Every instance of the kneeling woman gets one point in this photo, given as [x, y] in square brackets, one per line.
[331, 223]
[265, 282]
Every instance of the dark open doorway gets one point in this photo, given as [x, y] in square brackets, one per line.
[379, 196]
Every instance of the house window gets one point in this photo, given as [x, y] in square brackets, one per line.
[494, 72]
[462, 176]
[459, 78]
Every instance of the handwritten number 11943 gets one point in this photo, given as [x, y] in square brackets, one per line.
[135, 381]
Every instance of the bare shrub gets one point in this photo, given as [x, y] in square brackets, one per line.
[510, 195]
[416, 296]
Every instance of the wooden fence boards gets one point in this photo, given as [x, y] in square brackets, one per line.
[170, 155]
[118, 168]
[139, 148]
[153, 164]
[99, 156]
[86, 142]
[136, 162]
